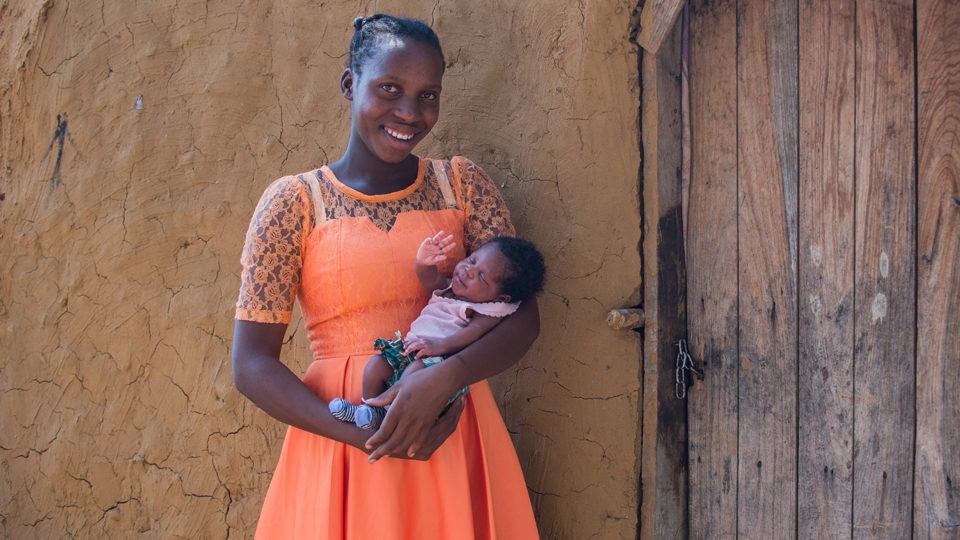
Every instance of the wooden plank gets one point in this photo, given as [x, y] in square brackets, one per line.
[712, 268]
[657, 20]
[825, 436]
[884, 306]
[767, 214]
[937, 474]
[664, 423]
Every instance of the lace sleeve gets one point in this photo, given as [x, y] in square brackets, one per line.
[273, 253]
[486, 212]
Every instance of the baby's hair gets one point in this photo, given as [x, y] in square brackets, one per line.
[526, 269]
[371, 31]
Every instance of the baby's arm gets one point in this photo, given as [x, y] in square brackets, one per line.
[433, 250]
[476, 327]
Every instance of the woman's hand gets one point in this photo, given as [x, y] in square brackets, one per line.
[414, 427]
[433, 250]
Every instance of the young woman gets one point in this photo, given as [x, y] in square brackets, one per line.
[342, 239]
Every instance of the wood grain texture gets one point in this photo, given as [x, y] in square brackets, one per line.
[657, 20]
[712, 269]
[884, 272]
[825, 442]
[767, 213]
[937, 468]
[664, 447]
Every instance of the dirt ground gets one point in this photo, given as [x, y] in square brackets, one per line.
[135, 140]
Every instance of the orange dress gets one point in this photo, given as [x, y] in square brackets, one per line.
[349, 259]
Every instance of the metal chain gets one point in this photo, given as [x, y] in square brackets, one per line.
[682, 366]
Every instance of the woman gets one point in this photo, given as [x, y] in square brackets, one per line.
[342, 240]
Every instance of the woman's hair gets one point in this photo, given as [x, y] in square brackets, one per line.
[526, 269]
[371, 31]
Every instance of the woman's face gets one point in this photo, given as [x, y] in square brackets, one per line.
[395, 98]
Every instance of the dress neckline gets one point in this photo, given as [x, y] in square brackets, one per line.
[382, 197]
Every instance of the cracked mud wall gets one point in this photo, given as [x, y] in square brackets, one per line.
[135, 140]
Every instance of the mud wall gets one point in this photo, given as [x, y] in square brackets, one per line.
[135, 139]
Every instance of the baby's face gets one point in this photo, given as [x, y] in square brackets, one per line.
[478, 277]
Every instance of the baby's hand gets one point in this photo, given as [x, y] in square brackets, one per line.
[423, 347]
[434, 249]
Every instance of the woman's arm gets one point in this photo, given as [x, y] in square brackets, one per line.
[499, 349]
[260, 376]
[418, 399]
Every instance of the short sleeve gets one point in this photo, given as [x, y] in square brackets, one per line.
[487, 215]
[272, 255]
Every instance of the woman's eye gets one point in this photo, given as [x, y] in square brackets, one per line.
[391, 88]
[430, 96]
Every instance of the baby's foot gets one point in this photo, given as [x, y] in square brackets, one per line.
[367, 417]
[342, 409]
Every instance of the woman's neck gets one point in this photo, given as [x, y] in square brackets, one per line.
[363, 171]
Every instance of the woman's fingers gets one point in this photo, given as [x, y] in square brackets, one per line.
[375, 442]
[393, 437]
[445, 425]
[419, 402]
[385, 398]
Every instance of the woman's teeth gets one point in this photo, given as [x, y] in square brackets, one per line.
[399, 135]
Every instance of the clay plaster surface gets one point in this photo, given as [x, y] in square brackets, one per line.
[135, 140]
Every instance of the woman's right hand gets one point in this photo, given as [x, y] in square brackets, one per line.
[445, 426]
[412, 428]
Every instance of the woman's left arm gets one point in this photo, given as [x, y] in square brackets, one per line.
[417, 400]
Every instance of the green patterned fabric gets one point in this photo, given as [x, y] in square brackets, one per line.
[392, 352]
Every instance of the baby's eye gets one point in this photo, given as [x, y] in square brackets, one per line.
[389, 88]
[430, 96]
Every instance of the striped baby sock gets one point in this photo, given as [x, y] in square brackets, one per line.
[342, 409]
[367, 417]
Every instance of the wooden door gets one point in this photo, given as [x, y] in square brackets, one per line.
[822, 259]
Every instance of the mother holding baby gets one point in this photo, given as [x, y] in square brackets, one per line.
[342, 239]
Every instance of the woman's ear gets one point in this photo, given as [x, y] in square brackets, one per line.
[346, 84]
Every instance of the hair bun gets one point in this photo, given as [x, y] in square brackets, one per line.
[358, 23]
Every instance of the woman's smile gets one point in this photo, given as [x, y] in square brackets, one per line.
[399, 134]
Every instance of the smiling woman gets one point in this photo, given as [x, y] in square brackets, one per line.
[393, 83]
[342, 240]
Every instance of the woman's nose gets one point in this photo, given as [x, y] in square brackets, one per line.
[408, 110]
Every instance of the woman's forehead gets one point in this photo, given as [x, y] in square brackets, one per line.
[403, 58]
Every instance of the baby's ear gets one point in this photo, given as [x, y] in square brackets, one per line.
[503, 298]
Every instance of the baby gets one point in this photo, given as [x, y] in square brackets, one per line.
[484, 288]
